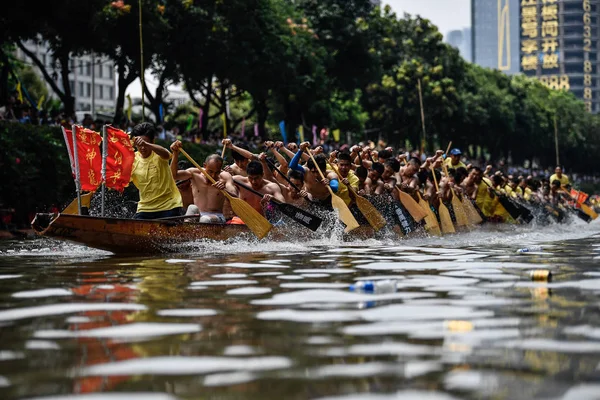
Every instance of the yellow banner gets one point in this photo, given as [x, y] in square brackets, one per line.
[336, 135]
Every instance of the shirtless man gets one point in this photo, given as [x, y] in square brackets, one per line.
[241, 157]
[208, 199]
[255, 179]
[314, 184]
[299, 198]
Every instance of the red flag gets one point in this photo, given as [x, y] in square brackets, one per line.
[119, 159]
[89, 158]
[68, 135]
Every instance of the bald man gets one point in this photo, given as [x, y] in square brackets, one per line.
[208, 198]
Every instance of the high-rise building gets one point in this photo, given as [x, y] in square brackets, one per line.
[495, 32]
[555, 41]
[461, 39]
[92, 79]
[559, 45]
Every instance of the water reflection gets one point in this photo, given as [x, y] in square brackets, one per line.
[464, 320]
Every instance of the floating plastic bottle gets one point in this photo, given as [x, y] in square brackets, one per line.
[375, 287]
[530, 248]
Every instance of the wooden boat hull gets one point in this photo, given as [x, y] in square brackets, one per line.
[130, 236]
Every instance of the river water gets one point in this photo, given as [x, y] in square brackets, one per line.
[278, 320]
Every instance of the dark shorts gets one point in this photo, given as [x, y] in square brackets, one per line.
[175, 212]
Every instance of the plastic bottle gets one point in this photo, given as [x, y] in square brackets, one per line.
[375, 287]
[528, 249]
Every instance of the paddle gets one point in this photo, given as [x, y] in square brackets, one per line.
[302, 217]
[375, 219]
[411, 205]
[252, 218]
[584, 207]
[431, 224]
[445, 219]
[282, 175]
[514, 209]
[337, 202]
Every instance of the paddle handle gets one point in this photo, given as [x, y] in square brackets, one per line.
[248, 188]
[448, 149]
[210, 178]
[282, 175]
[437, 189]
[318, 169]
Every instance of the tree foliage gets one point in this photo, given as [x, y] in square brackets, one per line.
[341, 64]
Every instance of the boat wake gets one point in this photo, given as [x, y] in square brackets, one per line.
[489, 235]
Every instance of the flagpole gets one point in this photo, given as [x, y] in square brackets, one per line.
[76, 162]
[104, 154]
[422, 117]
[556, 141]
[142, 62]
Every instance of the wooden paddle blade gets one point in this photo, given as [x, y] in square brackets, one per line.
[431, 223]
[472, 214]
[374, 217]
[302, 217]
[412, 206]
[252, 218]
[446, 220]
[588, 210]
[344, 213]
[459, 212]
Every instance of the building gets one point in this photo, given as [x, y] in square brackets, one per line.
[495, 34]
[559, 45]
[94, 88]
[555, 41]
[461, 39]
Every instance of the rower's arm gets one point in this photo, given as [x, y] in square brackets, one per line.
[294, 164]
[159, 150]
[266, 169]
[276, 192]
[178, 174]
[283, 163]
[230, 187]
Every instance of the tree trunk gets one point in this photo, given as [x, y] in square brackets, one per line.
[68, 99]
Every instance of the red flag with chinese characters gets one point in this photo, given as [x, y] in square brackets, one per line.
[119, 159]
[579, 196]
[89, 158]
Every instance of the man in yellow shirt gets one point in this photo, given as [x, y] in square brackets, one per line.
[347, 177]
[151, 174]
[559, 176]
[454, 160]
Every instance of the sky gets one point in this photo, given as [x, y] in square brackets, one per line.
[447, 15]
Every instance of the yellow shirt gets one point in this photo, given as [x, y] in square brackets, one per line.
[483, 200]
[343, 189]
[449, 164]
[158, 191]
[527, 195]
[564, 180]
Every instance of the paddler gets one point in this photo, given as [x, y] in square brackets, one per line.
[255, 180]
[241, 157]
[453, 161]
[159, 196]
[346, 177]
[315, 185]
[559, 176]
[208, 198]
